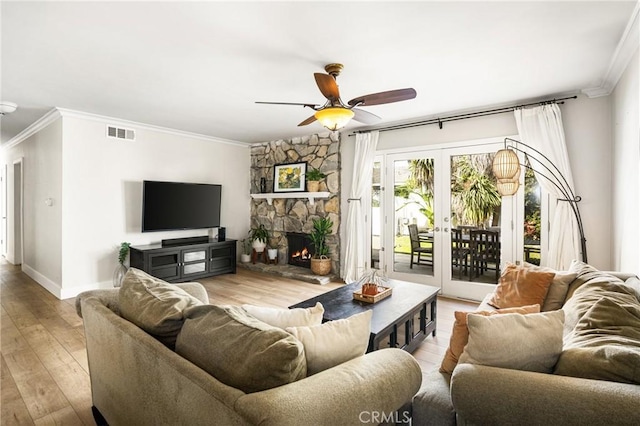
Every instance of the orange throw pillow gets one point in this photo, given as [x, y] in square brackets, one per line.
[521, 286]
[460, 333]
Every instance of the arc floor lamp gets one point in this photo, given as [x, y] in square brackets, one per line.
[506, 168]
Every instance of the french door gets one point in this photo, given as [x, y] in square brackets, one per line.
[425, 197]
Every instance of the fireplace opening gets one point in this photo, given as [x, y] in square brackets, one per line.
[300, 247]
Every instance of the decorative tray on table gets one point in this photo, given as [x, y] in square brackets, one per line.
[372, 288]
[383, 292]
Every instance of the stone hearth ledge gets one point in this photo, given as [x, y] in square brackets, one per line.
[290, 271]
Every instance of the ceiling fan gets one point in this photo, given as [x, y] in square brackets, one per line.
[334, 113]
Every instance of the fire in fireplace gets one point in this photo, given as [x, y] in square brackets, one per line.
[299, 249]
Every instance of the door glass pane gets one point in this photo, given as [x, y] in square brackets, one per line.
[532, 193]
[475, 219]
[413, 250]
[375, 221]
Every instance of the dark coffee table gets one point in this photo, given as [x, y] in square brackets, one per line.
[402, 320]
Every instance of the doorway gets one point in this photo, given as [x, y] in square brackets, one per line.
[3, 211]
[442, 222]
[18, 210]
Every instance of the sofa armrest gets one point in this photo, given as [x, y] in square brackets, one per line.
[621, 275]
[108, 298]
[352, 393]
[489, 395]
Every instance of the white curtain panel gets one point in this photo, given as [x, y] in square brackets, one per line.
[355, 247]
[541, 127]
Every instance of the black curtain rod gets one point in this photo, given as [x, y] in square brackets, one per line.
[440, 121]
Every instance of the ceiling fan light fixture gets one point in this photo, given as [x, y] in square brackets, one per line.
[334, 118]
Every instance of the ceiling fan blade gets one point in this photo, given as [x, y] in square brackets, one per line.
[314, 106]
[308, 121]
[384, 97]
[365, 116]
[328, 86]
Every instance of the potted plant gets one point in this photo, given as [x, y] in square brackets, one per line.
[259, 237]
[245, 257]
[314, 176]
[272, 251]
[320, 262]
[121, 269]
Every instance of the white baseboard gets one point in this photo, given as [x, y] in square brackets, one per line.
[57, 290]
[45, 282]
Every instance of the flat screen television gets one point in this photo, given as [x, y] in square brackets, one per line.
[169, 206]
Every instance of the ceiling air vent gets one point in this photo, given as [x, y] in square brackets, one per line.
[120, 133]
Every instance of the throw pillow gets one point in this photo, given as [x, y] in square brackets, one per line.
[589, 286]
[605, 343]
[283, 318]
[154, 305]
[521, 342]
[521, 286]
[460, 333]
[334, 342]
[239, 350]
[588, 275]
[558, 289]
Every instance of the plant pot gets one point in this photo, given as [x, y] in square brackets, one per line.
[313, 185]
[272, 253]
[258, 246]
[321, 266]
[245, 258]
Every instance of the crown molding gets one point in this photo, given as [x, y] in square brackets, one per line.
[625, 50]
[34, 128]
[57, 113]
[142, 126]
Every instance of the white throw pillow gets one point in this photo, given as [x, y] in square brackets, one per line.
[283, 318]
[334, 342]
[531, 342]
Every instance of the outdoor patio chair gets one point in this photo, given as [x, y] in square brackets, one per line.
[460, 251]
[485, 252]
[418, 249]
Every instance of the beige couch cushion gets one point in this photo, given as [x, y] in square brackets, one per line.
[154, 305]
[334, 342]
[530, 342]
[460, 333]
[605, 343]
[589, 286]
[240, 350]
[521, 286]
[283, 318]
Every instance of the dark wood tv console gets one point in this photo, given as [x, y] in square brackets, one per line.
[187, 262]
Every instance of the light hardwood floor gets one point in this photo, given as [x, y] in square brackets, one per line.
[44, 371]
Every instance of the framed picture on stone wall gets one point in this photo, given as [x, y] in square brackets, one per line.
[289, 177]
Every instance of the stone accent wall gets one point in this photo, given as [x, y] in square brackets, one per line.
[297, 214]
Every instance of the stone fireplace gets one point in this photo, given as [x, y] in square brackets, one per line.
[291, 215]
[299, 248]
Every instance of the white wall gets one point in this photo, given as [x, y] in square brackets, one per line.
[102, 192]
[42, 179]
[587, 127]
[626, 162]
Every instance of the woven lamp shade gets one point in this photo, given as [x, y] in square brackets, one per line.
[508, 187]
[506, 164]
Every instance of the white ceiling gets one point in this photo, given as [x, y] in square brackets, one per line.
[199, 66]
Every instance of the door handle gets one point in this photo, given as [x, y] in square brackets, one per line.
[446, 229]
[437, 229]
